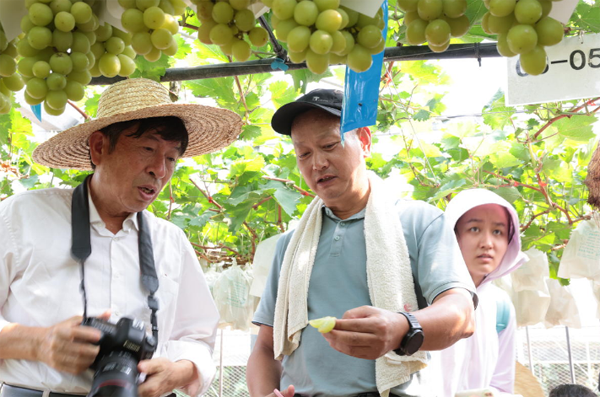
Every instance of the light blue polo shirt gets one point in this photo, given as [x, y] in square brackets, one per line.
[339, 283]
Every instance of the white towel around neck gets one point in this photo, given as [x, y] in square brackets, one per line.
[389, 278]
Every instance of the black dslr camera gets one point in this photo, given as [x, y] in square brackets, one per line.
[122, 347]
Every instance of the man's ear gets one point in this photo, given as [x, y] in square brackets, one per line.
[98, 149]
[364, 136]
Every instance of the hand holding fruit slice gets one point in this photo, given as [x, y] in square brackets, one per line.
[323, 324]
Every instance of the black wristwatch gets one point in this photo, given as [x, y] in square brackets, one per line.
[413, 340]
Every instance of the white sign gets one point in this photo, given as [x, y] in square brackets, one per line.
[573, 72]
[11, 13]
[368, 8]
[562, 10]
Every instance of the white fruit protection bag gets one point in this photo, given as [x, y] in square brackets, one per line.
[231, 292]
[531, 296]
[563, 309]
[581, 258]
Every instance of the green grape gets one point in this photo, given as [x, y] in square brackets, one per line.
[56, 82]
[170, 24]
[81, 43]
[90, 26]
[502, 8]
[345, 18]
[329, 20]
[51, 111]
[239, 4]
[95, 70]
[127, 66]
[26, 24]
[228, 48]
[204, 31]
[327, 4]
[244, 20]
[81, 12]
[350, 43]
[317, 63]
[370, 36]
[528, 11]
[485, 20]
[8, 65]
[378, 48]
[549, 31]
[521, 38]
[109, 65]
[3, 90]
[306, 13]
[129, 52]
[454, 8]
[133, 21]
[31, 100]
[127, 3]
[502, 46]
[408, 5]
[45, 54]
[439, 48]
[335, 59]
[98, 50]
[172, 49]
[415, 32]
[275, 21]
[352, 16]
[161, 38]
[179, 6]
[321, 42]
[143, 5]
[499, 25]
[546, 7]
[40, 14]
[284, 28]
[3, 40]
[297, 57]
[61, 63]
[534, 62]
[125, 36]
[62, 41]
[166, 7]
[114, 45]
[14, 83]
[222, 13]
[154, 17]
[11, 49]
[142, 43]
[458, 26]
[430, 9]
[154, 55]
[91, 59]
[241, 50]
[299, 38]
[364, 20]
[284, 9]
[204, 11]
[339, 43]
[79, 61]
[104, 32]
[25, 50]
[234, 30]
[36, 88]
[41, 69]
[57, 99]
[39, 37]
[83, 77]
[359, 59]
[268, 3]
[60, 5]
[221, 34]
[25, 66]
[437, 32]
[75, 91]
[64, 21]
[258, 36]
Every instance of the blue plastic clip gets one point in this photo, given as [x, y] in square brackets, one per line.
[37, 111]
[279, 63]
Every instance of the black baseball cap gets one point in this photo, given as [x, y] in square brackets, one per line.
[325, 99]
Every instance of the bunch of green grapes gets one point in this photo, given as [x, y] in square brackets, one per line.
[226, 22]
[112, 52]
[434, 21]
[10, 80]
[153, 25]
[523, 28]
[321, 32]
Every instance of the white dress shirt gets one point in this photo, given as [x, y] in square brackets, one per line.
[39, 284]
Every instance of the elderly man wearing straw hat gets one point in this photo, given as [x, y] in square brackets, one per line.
[75, 261]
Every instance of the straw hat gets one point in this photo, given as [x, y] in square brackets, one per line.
[526, 384]
[209, 128]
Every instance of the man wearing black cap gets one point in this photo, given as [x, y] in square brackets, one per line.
[392, 273]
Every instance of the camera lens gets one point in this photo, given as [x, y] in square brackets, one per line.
[116, 376]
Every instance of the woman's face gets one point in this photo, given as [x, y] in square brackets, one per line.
[482, 235]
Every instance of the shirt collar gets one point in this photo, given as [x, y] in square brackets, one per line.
[130, 222]
[359, 215]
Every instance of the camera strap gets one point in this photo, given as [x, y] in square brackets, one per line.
[81, 249]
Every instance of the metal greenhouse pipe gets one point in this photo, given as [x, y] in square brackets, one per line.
[412, 53]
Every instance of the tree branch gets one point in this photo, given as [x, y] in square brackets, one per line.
[291, 183]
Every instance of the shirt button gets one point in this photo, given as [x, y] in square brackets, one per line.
[337, 238]
[342, 224]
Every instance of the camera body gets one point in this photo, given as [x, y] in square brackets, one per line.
[122, 346]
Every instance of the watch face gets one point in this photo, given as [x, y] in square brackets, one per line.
[414, 342]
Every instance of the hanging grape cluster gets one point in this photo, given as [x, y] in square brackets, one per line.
[227, 23]
[434, 21]
[153, 25]
[321, 32]
[523, 28]
[10, 80]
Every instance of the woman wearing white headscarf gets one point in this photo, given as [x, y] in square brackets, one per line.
[487, 230]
